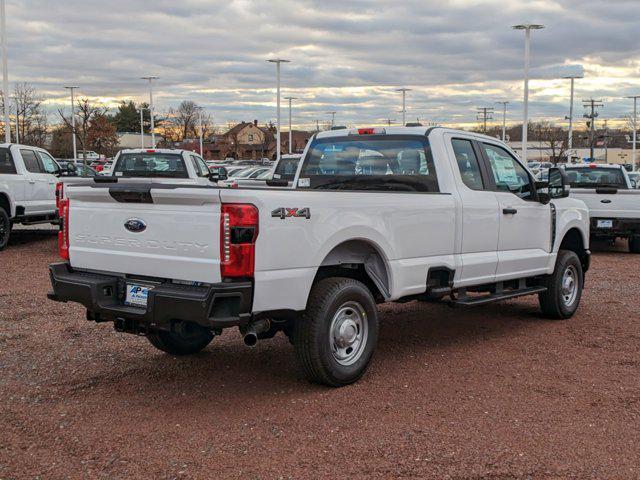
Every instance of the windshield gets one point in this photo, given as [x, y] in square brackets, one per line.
[150, 164]
[375, 162]
[588, 177]
[286, 169]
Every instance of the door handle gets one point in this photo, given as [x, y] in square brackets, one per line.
[605, 201]
[509, 211]
[31, 181]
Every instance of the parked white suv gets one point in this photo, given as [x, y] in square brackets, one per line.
[28, 177]
[373, 216]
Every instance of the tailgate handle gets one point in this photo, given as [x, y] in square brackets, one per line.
[605, 201]
[131, 195]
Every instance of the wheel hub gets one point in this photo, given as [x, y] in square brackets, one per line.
[348, 333]
[569, 289]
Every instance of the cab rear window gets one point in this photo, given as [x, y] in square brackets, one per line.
[370, 163]
[588, 177]
[150, 164]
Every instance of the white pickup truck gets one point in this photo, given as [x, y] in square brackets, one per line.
[376, 215]
[28, 177]
[613, 202]
[160, 165]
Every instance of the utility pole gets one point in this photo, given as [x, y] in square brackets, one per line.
[201, 131]
[504, 120]
[73, 120]
[389, 121]
[527, 27]
[5, 73]
[333, 118]
[317, 125]
[141, 128]
[484, 115]
[151, 78]
[592, 115]
[15, 98]
[634, 147]
[290, 135]
[278, 61]
[404, 91]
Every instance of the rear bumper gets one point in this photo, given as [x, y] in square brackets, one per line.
[214, 306]
[621, 227]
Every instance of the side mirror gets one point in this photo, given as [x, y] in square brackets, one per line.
[71, 168]
[218, 173]
[558, 184]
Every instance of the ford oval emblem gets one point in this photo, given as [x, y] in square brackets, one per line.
[135, 225]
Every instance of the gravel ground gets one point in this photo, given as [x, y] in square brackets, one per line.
[492, 392]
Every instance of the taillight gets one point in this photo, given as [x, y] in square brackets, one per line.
[238, 234]
[59, 193]
[63, 234]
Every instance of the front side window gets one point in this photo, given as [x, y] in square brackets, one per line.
[286, 169]
[48, 163]
[594, 177]
[203, 167]
[196, 166]
[30, 161]
[150, 164]
[6, 162]
[375, 162]
[467, 163]
[508, 174]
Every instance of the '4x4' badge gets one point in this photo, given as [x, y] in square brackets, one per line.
[283, 213]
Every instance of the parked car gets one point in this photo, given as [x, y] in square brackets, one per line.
[80, 169]
[91, 155]
[376, 215]
[614, 205]
[28, 177]
[634, 178]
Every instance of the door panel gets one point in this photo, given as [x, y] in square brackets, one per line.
[525, 224]
[480, 219]
[40, 198]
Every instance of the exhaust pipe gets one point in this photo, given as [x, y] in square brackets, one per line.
[254, 329]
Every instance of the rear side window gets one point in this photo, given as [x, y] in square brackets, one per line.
[6, 162]
[150, 164]
[30, 161]
[468, 164]
[370, 163]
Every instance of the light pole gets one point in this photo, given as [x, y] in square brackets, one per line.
[73, 120]
[570, 117]
[333, 118]
[151, 78]
[527, 27]
[634, 139]
[5, 73]
[142, 128]
[404, 104]
[278, 61]
[290, 136]
[201, 130]
[504, 120]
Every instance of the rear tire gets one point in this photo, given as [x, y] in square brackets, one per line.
[634, 244]
[335, 339]
[188, 342]
[564, 287]
[5, 228]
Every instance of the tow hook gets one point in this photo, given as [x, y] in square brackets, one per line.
[254, 329]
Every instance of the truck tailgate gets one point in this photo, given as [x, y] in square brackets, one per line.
[147, 230]
[622, 204]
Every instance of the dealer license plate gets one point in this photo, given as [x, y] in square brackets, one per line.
[136, 295]
[605, 224]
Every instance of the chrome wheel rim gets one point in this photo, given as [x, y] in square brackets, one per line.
[348, 333]
[569, 287]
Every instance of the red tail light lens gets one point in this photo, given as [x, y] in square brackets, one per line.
[238, 234]
[63, 234]
[59, 193]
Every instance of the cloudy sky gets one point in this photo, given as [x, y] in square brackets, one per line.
[347, 56]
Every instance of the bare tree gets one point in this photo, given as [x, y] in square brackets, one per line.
[30, 114]
[552, 138]
[86, 113]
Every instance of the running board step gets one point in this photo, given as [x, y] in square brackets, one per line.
[467, 301]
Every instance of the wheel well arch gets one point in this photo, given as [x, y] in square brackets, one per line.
[574, 242]
[5, 203]
[360, 260]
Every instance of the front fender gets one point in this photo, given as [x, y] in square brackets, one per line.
[571, 214]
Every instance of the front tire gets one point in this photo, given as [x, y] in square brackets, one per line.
[5, 228]
[564, 287]
[634, 244]
[335, 339]
[189, 340]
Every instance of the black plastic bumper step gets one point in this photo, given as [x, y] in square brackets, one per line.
[469, 301]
